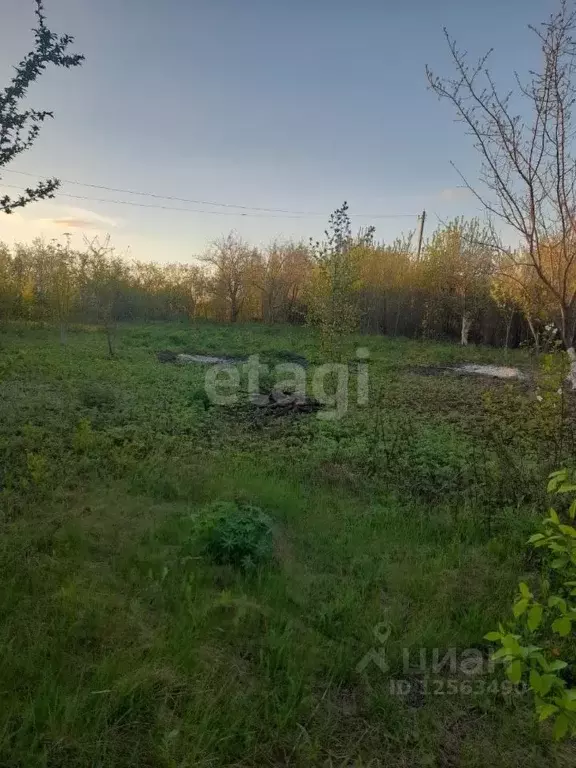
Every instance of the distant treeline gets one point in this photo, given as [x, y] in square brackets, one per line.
[460, 287]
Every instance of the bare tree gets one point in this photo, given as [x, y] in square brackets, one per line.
[269, 280]
[232, 259]
[528, 176]
[62, 283]
[280, 276]
[107, 275]
[19, 128]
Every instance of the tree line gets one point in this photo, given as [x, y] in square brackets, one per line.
[464, 283]
[460, 287]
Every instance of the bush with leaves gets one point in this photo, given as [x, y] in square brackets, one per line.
[539, 645]
[527, 434]
[237, 534]
[332, 295]
[94, 394]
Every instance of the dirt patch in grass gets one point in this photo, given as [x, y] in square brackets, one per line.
[185, 358]
[277, 402]
[498, 372]
[271, 357]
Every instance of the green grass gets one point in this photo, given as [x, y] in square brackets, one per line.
[123, 644]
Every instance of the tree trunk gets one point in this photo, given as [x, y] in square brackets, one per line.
[534, 334]
[63, 334]
[109, 339]
[567, 326]
[398, 311]
[571, 378]
[508, 329]
[465, 331]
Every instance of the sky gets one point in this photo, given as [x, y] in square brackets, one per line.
[295, 105]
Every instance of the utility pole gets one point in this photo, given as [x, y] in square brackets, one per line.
[421, 234]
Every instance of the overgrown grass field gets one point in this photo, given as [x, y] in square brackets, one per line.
[126, 642]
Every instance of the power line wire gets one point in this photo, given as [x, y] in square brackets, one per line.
[291, 214]
[160, 207]
[160, 197]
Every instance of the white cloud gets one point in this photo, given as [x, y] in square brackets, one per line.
[22, 225]
[79, 218]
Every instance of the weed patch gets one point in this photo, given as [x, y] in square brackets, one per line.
[183, 585]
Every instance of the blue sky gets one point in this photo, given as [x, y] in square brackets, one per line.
[294, 104]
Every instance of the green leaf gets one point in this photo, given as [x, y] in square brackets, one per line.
[554, 546]
[524, 591]
[572, 510]
[557, 480]
[538, 536]
[530, 651]
[566, 488]
[557, 665]
[520, 607]
[514, 671]
[534, 617]
[493, 636]
[535, 680]
[542, 661]
[561, 473]
[546, 682]
[562, 626]
[554, 516]
[546, 710]
[501, 653]
[560, 726]
[511, 644]
[554, 600]
[552, 484]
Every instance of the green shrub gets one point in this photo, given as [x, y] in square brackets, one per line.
[235, 534]
[200, 398]
[534, 431]
[426, 460]
[96, 395]
[539, 645]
